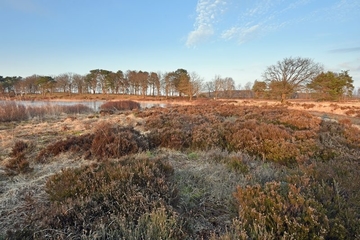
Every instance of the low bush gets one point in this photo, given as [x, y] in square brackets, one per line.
[75, 109]
[18, 162]
[297, 177]
[272, 133]
[107, 141]
[341, 140]
[112, 141]
[128, 199]
[335, 186]
[19, 148]
[308, 105]
[120, 105]
[76, 144]
[279, 211]
[237, 164]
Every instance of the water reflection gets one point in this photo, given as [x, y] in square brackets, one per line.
[94, 105]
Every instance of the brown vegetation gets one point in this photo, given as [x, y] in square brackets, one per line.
[215, 170]
[120, 105]
[11, 111]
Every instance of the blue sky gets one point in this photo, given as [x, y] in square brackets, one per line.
[230, 38]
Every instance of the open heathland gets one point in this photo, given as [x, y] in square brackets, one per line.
[206, 170]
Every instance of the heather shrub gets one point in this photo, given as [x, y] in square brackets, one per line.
[107, 141]
[351, 134]
[120, 105]
[171, 130]
[75, 144]
[299, 120]
[131, 198]
[271, 133]
[18, 162]
[279, 210]
[337, 141]
[19, 148]
[336, 188]
[331, 187]
[354, 111]
[113, 141]
[308, 105]
[267, 141]
[207, 136]
[75, 109]
[237, 164]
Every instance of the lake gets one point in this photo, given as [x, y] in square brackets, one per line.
[95, 105]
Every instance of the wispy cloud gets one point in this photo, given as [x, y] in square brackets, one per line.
[353, 66]
[243, 34]
[345, 50]
[257, 18]
[207, 14]
[261, 18]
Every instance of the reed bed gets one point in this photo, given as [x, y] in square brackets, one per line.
[12, 111]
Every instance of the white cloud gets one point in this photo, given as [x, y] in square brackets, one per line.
[346, 50]
[200, 34]
[242, 34]
[230, 33]
[207, 13]
[248, 20]
[248, 33]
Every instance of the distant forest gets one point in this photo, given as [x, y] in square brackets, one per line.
[289, 78]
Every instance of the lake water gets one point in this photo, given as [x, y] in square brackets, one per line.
[95, 105]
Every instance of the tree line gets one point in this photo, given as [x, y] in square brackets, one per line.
[131, 82]
[286, 79]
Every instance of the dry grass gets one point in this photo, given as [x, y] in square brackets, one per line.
[215, 175]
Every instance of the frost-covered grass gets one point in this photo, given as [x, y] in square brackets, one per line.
[210, 171]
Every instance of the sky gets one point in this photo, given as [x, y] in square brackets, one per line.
[226, 38]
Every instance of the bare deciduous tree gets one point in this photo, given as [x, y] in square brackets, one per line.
[229, 87]
[195, 85]
[210, 87]
[218, 85]
[64, 82]
[79, 83]
[290, 75]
